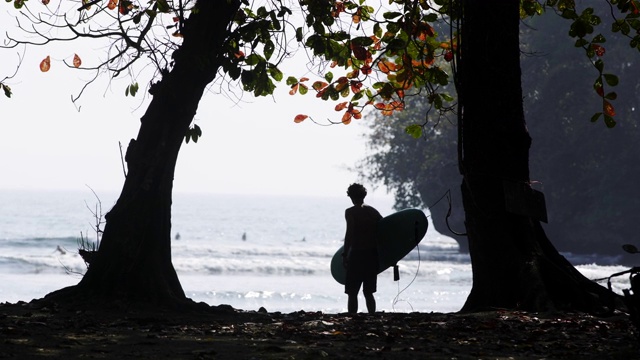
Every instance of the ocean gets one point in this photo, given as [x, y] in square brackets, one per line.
[244, 251]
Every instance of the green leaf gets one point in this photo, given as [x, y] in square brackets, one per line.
[7, 90]
[611, 79]
[328, 76]
[299, 34]
[269, 47]
[595, 117]
[303, 90]
[431, 17]
[275, 73]
[611, 96]
[581, 42]
[333, 94]
[414, 130]
[569, 14]
[397, 44]
[598, 83]
[248, 80]
[599, 64]
[609, 121]
[253, 59]
[599, 39]
[362, 41]
[391, 15]
[274, 21]
[291, 80]
[134, 89]
[377, 30]
[446, 97]
[137, 17]
[163, 6]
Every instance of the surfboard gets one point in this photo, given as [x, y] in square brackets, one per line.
[398, 234]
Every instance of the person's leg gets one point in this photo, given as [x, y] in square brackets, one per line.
[371, 302]
[352, 303]
[369, 287]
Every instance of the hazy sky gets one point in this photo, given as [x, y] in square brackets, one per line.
[248, 147]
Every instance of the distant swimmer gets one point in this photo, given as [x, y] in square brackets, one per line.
[177, 236]
[60, 250]
[244, 236]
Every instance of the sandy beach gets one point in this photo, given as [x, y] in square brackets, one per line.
[49, 330]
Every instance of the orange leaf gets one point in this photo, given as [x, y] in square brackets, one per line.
[356, 114]
[45, 2]
[600, 91]
[125, 7]
[299, 118]
[383, 67]
[45, 64]
[599, 50]
[76, 61]
[608, 109]
[341, 106]
[397, 105]
[112, 4]
[341, 86]
[346, 118]
[294, 89]
[355, 86]
[359, 52]
[448, 56]
[302, 79]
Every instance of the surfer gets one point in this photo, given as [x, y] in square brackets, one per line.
[360, 256]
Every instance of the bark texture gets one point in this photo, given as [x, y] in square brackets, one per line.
[515, 266]
[134, 258]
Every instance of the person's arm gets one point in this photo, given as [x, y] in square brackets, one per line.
[379, 216]
[348, 236]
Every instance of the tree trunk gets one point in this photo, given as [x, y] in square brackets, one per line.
[134, 258]
[514, 264]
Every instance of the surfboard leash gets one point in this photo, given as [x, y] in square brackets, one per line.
[396, 275]
[447, 194]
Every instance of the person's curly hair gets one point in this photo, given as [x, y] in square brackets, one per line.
[356, 191]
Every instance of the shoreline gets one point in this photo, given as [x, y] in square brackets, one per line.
[222, 332]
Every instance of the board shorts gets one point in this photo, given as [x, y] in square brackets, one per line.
[362, 270]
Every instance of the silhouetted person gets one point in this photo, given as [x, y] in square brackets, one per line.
[360, 254]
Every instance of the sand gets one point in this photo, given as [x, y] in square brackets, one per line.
[37, 329]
